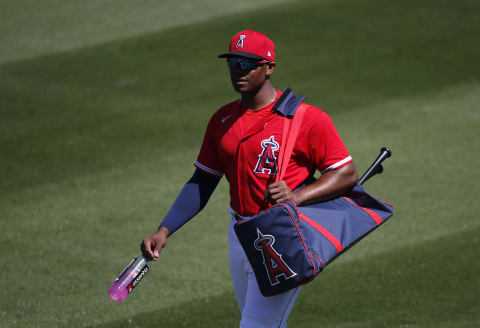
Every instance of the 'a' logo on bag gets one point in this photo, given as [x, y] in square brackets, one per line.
[273, 262]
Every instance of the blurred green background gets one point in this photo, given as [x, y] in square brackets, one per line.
[103, 107]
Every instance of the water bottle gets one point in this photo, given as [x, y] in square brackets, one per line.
[129, 278]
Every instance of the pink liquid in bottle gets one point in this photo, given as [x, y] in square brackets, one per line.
[128, 279]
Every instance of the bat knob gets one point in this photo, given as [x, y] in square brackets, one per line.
[387, 152]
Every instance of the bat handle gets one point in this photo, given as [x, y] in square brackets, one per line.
[376, 167]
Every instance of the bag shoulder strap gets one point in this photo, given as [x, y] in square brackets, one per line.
[291, 127]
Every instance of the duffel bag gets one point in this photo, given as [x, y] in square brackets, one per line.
[288, 246]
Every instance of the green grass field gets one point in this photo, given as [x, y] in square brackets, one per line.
[103, 108]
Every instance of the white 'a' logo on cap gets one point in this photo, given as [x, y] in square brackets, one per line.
[240, 41]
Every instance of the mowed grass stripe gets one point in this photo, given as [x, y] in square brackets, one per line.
[432, 284]
[114, 209]
[75, 127]
[92, 109]
[432, 172]
[31, 29]
[163, 176]
[85, 230]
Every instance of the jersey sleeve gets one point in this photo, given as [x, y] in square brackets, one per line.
[327, 149]
[208, 159]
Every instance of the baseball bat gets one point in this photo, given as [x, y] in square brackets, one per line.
[376, 167]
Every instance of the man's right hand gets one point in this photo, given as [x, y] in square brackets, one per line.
[153, 245]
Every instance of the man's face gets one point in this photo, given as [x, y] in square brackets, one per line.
[248, 75]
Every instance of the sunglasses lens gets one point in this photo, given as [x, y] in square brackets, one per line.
[232, 63]
[242, 63]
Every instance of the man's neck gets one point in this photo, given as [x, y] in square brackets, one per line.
[260, 98]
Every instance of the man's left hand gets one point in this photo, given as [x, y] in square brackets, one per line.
[278, 192]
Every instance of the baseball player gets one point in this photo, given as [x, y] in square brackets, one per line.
[242, 142]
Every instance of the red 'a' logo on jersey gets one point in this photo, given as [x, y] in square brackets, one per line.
[274, 264]
[267, 162]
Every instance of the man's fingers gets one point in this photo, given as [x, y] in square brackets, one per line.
[277, 187]
[277, 192]
[282, 199]
[277, 197]
[157, 250]
[159, 245]
[145, 247]
[272, 191]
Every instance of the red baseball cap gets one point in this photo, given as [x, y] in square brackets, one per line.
[251, 44]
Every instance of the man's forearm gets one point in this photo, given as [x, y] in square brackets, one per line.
[330, 185]
[191, 200]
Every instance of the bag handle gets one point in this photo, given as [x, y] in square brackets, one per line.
[291, 127]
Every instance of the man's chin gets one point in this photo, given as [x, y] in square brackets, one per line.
[240, 87]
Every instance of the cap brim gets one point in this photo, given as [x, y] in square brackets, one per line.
[241, 54]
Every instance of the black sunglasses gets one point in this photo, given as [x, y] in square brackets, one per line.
[244, 64]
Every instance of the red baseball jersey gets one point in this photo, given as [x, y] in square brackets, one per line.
[244, 144]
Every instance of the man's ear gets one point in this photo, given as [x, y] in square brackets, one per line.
[270, 68]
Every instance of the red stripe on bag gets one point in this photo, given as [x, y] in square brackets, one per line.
[323, 231]
[318, 257]
[387, 203]
[375, 217]
[301, 237]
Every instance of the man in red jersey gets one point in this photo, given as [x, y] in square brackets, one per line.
[242, 142]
